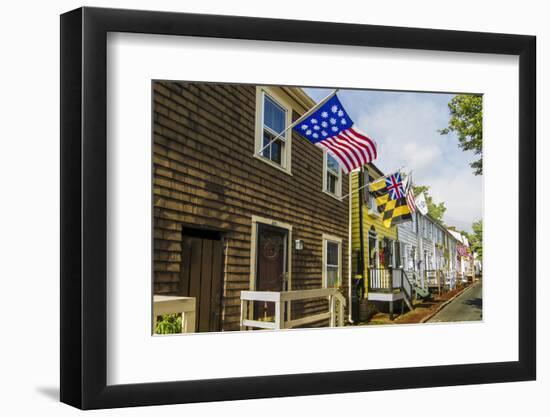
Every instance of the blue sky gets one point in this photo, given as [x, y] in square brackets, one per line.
[404, 125]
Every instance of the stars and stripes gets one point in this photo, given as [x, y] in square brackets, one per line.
[331, 128]
[409, 192]
[410, 201]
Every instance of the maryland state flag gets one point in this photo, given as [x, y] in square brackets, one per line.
[391, 200]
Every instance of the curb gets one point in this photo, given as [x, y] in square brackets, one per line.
[443, 305]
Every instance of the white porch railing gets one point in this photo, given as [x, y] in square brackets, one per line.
[167, 304]
[335, 314]
[450, 279]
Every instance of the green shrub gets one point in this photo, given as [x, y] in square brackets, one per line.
[169, 324]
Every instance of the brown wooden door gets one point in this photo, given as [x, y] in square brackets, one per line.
[271, 265]
[202, 278]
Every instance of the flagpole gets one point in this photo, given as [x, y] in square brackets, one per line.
[323, 101]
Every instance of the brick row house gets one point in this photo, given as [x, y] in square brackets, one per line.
[232, 217]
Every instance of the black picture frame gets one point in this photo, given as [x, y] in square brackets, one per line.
[84, 207]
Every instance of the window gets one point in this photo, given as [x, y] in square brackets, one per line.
[373, 259]
[273, 116]
[397, 255]
[332, 262]
[387, 252]
[412, 258]
[333, 175]
[369, 198]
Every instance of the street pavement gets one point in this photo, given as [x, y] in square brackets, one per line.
[466, 307]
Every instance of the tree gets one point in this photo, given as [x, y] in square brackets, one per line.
[476, 238]
[466, 116]
[434, 210]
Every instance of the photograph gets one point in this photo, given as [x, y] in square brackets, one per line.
[287, 207]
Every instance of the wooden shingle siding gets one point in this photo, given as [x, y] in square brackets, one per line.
[205, 176]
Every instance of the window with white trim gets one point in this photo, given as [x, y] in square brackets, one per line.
[332, 268]
[368, 196]
[332, 175]
[274, 115]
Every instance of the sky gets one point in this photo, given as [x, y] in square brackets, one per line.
[405, 127]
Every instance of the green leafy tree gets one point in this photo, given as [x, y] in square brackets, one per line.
[434, 210]
[476, 238]
[466, 116]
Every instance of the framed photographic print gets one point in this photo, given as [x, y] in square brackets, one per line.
[257, 208]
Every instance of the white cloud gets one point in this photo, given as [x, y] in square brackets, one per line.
[405, 125]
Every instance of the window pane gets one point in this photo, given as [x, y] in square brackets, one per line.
[332, 253]
[331, 183]
[332, 163]
[274, 115]
[274, 150]
[332, 277]
[267, 138]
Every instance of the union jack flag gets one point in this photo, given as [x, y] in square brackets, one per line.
[331, 128]
[394, 185]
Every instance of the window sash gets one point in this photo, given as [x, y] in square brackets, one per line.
[276, 152]
[268, 152]
[276, 106]
[334, 256]
[333, 276]
[328, 166]
[332, 270]
[332, 182]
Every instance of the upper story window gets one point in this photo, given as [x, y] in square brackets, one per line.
[273, 116]
[332, 175]
[368, 197]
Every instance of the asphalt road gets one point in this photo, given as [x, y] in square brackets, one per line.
[466, 307]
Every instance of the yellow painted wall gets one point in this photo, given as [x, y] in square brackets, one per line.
[368, 221]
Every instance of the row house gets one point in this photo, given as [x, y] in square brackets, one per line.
[464, 260]
[429, 253]
[248, 235]
[379, 279]
[392, 266]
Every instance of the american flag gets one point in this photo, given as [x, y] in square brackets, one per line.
[410, 194]
[331, 128]
[410, 201]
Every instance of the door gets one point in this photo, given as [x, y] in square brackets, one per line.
[271, 265]
[202, 277]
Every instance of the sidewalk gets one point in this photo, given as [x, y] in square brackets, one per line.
[423, 309]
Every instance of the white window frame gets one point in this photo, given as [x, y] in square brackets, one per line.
[332, 239]
[338, 193]
[286, 151]
[372, 209]
[391, 243]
